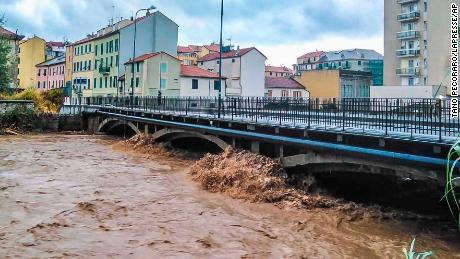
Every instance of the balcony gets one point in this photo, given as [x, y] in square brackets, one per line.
[407, 35]
[409, 71]
[406, 1]
[104, 70]
[407, 52]
[404, 17]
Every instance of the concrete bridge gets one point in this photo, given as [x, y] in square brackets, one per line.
[403, 153]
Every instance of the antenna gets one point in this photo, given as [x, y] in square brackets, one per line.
[230, 42]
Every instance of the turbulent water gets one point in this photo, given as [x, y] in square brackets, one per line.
[84, 196]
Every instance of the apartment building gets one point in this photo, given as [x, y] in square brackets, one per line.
[50, 74]
[82, 66]
[106, 61]
[31, 53]
[244, 70]
[308, 61]
[187, 55]
[417, 42]
[284, 87]
[274, 71]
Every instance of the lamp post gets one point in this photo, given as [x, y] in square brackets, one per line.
[134, 51]
[220, 58]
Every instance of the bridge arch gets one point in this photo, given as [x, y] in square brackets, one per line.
[109, 124]
[175, 134]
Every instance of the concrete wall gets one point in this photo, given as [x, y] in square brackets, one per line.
[6, 105]
[253, 74]
[321, 83]
[155, 33]
[407, 91]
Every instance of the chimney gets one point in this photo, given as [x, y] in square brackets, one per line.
[238, 50]
[132, 18]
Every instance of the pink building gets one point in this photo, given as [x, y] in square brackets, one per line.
[50, 74]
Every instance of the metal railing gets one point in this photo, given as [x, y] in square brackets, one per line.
[409, 71]
[408, 16]
[410, 117]
[407, 34]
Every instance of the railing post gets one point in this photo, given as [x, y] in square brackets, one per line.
[440, 119]
[386, 116]
[342, 104]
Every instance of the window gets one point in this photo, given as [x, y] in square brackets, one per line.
[86, 48]
[39, 70]
[90, 48]
[217, 61]
[233, 60]
[38, 84]
[194, 83]
[116, 60]
[271, 73]
[111, 83]
[270, 93]
[162, 83]
[89, 65]
[111, 46]
[297, 94]
[411, 81]
[359, 62]
[44, 84]
[216, 85]
[86, 64]
[102, 48]
[284, 93]
[116, 44]
[89, 83]
[105, 82]
[95, 52]
[95, 83]
[100, 82]
[44, 72]
[137, 81]
[111, 61]
[115, 81]
[137, 67]
[164, 68]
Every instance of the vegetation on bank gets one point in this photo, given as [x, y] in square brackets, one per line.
[45, 101]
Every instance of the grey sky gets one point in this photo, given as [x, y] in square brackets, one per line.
[281, 29]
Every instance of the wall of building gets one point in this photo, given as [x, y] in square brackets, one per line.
[205, 87]
[278, 92]
[82, 67]
[407, 91]
[54, 77]
[321, 83]
[155, 33]
[68, 65]
[253, 74]
[231, 69]
[391, 44]
[31, 53]
[106, 56]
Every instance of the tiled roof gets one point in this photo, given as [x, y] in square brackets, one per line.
[314, 54]
[52, 62]
[9, 34]
[195, 48]
[213, 47]
[182, 49]
[230, 54]
[194, 71]
[147, 56]
[282, 82]
[278, 69]
[55, 44]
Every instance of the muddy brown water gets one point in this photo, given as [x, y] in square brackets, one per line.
[78, 196]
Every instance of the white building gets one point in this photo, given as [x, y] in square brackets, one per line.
[277, 87]
[244, 70]
[195, 81]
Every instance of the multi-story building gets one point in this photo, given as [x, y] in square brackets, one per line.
[13, 40]
[187, 55]
[31, 53]
[308, 61]
[417, 42]
[153, 73]
[244, 70]
[284, 87]
[272, 71]
[82, 66]
[336, 83]
[54, 49]
[68, 72]
[106, 54]
[154, 33]
[50, 74]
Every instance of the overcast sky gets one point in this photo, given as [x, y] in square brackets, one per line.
[281, 29]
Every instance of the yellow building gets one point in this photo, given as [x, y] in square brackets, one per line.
[106, 58]
[336, 83]
[82, 66]
[31, 53]
[153, 73]
[190, 54]
[68, 65]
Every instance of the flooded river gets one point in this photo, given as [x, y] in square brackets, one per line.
[78, 196]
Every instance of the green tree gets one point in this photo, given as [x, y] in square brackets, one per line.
[5, 60]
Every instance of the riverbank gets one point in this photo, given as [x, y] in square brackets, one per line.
[94, 196]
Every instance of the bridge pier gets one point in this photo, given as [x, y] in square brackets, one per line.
[279, 151]
[146, 129]
[255, 147]
[93, 124]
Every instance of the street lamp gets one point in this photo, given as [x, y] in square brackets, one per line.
[134, 51]
[220, 58]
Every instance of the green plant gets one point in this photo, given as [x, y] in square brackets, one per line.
[411, 254]
[18, 118]
[453, 157]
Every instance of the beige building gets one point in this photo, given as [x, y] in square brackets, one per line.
[274, 71]
[417, 42]
[153, 73]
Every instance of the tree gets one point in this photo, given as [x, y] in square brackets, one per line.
[5, 60]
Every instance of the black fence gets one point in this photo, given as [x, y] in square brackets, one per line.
[384, 116]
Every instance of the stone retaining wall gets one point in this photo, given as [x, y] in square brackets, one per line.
[9, 105]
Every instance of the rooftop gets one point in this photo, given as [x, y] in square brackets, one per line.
[314, 54]
[368, 54]
[9, 34]
[278, 69]
[194, 71]
[282, 82]
[183, 49]
[52, 62]
[144, 57]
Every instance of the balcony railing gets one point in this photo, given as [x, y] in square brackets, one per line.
[104, 70]
[407, 1]
[407, 34]
[408, 16]
[407, 52]
[409, 71]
